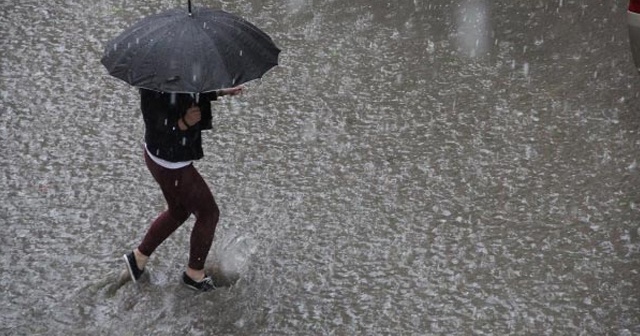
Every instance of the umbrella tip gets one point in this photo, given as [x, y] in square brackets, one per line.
[190, 13]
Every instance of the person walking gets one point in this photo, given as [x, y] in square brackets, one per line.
[173, 125]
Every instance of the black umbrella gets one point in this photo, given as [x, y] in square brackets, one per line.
[190, 51]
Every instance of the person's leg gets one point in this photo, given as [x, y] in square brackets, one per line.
[168, 221]
[199, 200]
[161, 228]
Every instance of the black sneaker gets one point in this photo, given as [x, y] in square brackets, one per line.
[203, 285]
[132, 266]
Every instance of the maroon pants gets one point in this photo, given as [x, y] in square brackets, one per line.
[186, 193]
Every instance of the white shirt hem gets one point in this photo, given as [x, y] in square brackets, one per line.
[165, 163]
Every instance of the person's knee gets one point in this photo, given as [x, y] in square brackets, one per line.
[178, 214]
[210, 214]
[215, 213]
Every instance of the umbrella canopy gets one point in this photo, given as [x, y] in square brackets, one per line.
[190, 51]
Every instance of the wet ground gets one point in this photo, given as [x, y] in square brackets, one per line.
[412, 168]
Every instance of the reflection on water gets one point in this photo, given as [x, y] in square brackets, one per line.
[412, 167]
[472, 20]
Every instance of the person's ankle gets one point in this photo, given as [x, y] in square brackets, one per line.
[141, 259]
[196, 275]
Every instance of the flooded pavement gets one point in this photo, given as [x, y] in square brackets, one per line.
[412, 168]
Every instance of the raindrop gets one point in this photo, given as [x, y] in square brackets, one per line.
[176, 183]
[431, 47]
[240, 53]
[204, 26]
[166, 122]
[184, 141]
[137, 40]
[172, 98]
[115, 47]
[157, 152]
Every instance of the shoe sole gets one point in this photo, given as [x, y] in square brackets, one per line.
[126, 262]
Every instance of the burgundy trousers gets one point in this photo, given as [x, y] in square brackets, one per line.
[186, 193]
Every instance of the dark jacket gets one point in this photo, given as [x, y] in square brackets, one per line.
[161, 112]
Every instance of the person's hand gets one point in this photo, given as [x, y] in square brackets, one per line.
[192, 116]
[231, 91]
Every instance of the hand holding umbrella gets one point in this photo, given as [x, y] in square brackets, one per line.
[190, 118]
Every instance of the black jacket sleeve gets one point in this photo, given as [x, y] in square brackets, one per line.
[158, 114]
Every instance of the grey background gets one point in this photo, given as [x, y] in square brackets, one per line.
[411, 168]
